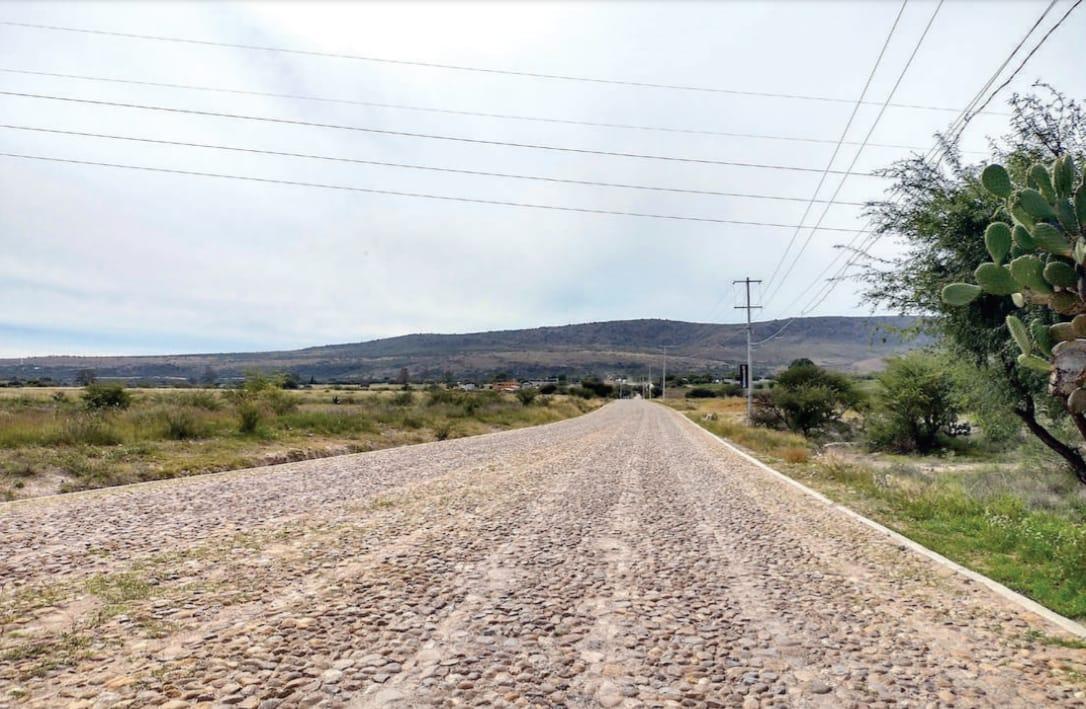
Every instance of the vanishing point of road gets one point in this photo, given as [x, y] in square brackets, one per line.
[622, 558]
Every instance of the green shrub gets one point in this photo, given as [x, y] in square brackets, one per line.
[109, 395]
[526, 396]
[730, 389]
[437, 395]
[280, 401]
[404, 398]
[249, 416]
[700, 393]
[548, 389]
[806, 399]
[182, 424]
[915, 403]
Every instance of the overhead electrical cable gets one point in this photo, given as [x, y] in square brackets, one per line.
[859, 151]
[409, 166]
[452, 67]
[868, 238]
[1025, 60]
[427, 136]
[397, 193]
[444, 111]
[840, 140]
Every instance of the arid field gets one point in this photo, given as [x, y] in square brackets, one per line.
[56, 440]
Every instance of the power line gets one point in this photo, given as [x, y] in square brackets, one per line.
[868, 239]
[428, 136]
[870, 131]
[452, 67]
[956, 130]
[380, 163]
[445, 111]
[370, 190]
[840, 140]
[1026, 59]
[775, 334]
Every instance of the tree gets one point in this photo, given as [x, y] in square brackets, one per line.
[85, 377]
[940, 221]
[915, 403]
[597, 387]
[806, 399]
[1047, 271]
[209, 377]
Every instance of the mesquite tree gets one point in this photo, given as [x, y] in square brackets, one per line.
[1039, 259]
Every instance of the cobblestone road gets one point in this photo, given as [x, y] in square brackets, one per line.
[622, 558]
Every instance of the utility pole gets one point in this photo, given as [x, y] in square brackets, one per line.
[663, 380]
[750, 372]
[650, 382]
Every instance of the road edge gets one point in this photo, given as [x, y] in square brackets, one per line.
[1063, 622]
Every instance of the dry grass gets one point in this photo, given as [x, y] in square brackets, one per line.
[50, 442]
[724, 417]
[1023, 523]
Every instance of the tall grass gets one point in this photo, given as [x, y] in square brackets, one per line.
[174, 432]
[333, 422]
[778, 444]
[1023, 525]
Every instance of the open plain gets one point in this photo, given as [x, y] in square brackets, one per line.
[622, 558]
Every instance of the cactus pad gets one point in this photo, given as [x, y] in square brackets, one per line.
[1060, 273]
[995, 279]
[997, 239]
[996, 180]
[960, 293]
[1051, 239]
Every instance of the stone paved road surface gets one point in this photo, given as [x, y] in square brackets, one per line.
[623, 558]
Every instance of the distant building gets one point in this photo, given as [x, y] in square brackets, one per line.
[537, 383]
[509, 385]
[467, 386]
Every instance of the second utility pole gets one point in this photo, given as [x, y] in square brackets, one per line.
[750, 373]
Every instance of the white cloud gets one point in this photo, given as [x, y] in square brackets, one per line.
[154, 262]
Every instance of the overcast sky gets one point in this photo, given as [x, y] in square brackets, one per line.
[108, 260]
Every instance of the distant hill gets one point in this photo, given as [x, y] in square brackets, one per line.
[622, 346]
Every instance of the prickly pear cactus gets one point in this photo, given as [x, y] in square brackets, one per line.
[1040, 259]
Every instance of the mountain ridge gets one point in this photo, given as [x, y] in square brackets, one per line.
[615, 346]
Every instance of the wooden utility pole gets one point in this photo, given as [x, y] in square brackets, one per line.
[750, 371]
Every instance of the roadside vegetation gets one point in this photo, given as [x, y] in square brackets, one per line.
[1009, 510]
[975, 446]
[65, 439]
